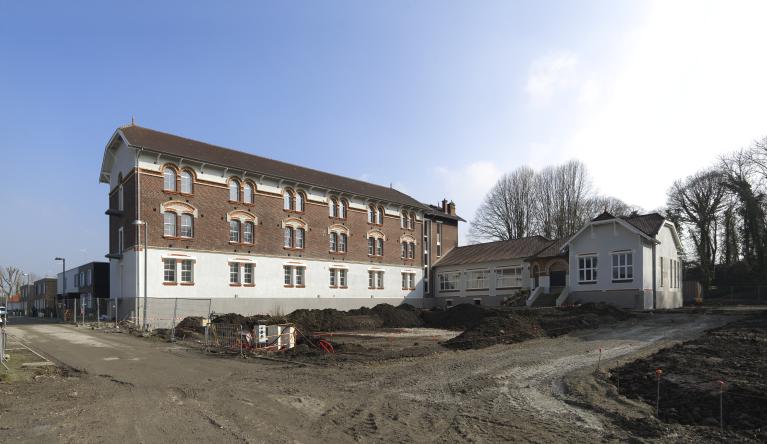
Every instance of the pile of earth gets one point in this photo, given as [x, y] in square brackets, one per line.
[488, 326]
[689, 387]
[326, 320]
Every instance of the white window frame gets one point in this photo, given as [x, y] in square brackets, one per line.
[287, 273]
[342, 277]
[182, 232]
[247, 273]
[234, 190]
[247, 193]
[234, 234]
[169, 270]
[589, 268]
[508, 277]
[168, 221]
[439, 239]
[300, 238]
[169, 179]
[248, 232]
[186, 184]
[449, 280]
[234, 273]
[625, 270]
[299, 276]
[333, 277]
[187, 272]
[478, 279]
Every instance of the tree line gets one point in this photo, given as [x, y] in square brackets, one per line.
[554, 202]
[719, 212]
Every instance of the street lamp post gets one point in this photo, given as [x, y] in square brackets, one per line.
[63, 281]
[26, 304]
[146, 247]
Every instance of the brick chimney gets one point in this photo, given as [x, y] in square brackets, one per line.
[444, 205]
[451, 208]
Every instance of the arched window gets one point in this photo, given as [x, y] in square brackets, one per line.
[403, 251]
[343, 208]
[371, 214]
[411, 221]
[403, 220]
[247, 193]
[169, 179]
[287, 237]
[247, 232]
[371, 246]
[333, 207]
[379, 247]
[300, 198]
[234, 190]
[333, 242]
[234, 231]
[169, 224]
[288, 200]
[186, 182]
[379, 216]
[186, 225]
[411, 250]
[300, 238]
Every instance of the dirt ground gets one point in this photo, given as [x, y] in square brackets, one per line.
[118, 387]
[690, 387]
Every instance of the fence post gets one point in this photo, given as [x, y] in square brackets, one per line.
[74, 309]
[240, 340]
[98, 312]
[658, 372]
[173, 327]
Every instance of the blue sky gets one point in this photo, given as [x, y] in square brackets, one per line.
[444, 95]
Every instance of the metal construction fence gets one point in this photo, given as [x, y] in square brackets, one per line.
[163, 313]
[240, 339]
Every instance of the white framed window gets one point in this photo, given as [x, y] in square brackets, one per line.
[169, 270]
[408, 281]
[120, 240]
[247, 233]
[587, 268]
[379, 246]
[371, 246]
[247, 274]
[186, 182]
[508, 277]
[234, 273]
[343, 207]
[411, 250]
[187, 271]
[169, 224]
[403, 220]
[186, 225]
[300, 274]
[333, 281]
[333, 241]
[300, 198]
[287, 275]
[342, 242]
[477, 280]
[449, 281]
[287, 200]
[662, 273]
[88, 278]
[287, 237]
[234, 231]
[379, 216]
[247, 193]
[371, 214]
[300, 232]
[342, 277]
[411, 221]
[403, 250]
[234, 190]
[375, 279]
[332, 207]
[169, 179]
[622, 266]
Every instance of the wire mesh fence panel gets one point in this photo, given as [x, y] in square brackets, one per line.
[241, 339]
[166, 313]
[228, 337]
[736, 294]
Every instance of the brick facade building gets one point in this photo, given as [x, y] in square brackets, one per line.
[258, 235]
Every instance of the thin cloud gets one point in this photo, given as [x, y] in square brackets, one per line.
[549, 74]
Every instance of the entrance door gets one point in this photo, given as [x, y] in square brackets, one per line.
[535, 276]
[558, 278]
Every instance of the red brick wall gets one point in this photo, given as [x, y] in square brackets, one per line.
[211, 229]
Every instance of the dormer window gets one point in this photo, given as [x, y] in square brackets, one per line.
[169, 179]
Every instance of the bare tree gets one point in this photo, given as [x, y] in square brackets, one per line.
[612, 205]
[11, 279]
[506, 212]
[697, 202]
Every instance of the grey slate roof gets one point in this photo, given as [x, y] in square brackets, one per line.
[161, 142]
[494, 251]
[649, 224]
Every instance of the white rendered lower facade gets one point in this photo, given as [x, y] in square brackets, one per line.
[252, 284]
